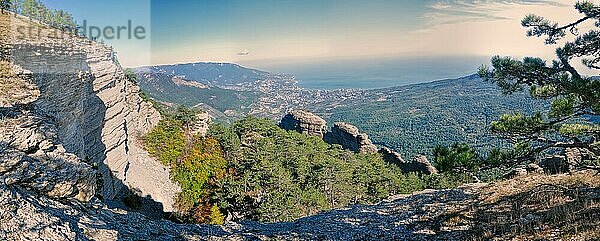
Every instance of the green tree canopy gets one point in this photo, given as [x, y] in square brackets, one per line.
[36, 10]
[5, 5]
[459, 158]
[574, 96]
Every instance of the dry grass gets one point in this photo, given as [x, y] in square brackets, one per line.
[560, 207]
[14, 89]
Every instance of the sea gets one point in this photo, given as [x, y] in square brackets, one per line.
[375, 73]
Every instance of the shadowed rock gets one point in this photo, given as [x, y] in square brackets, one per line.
[419, 165]
[350, 138]
[97, 113]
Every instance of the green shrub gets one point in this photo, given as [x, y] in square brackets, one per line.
[131, 76]
[196, 164]
[166, 141]
[459, 158]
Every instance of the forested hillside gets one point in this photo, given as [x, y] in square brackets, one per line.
[410, 119]
[252, 169]
[169, 88]
[414, 119]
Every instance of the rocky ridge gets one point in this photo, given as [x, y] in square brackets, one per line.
[350, 138]
[97, 114]
[304, 122]
[472, 212]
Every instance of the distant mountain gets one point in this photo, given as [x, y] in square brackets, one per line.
[178, 90]
[411, 119]
[213, 74]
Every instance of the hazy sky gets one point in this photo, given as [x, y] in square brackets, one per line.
[282, 30]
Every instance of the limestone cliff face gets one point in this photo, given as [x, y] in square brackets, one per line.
[96, 112]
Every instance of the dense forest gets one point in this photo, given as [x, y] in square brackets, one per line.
[415, 119]
[252, 169]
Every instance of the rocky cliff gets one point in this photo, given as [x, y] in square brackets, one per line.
[304, 122]
[350, 138]
[94, 112]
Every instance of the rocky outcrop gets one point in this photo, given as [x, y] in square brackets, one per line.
[466, 213]
[419, 165]
[97, 113]
[304, 122]
[31, 157]
[569, 162]
[576, 156]
[342, 133]
[350, 138]
[201, 124]
[531, 168]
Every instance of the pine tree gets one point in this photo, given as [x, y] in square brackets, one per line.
[573, 95]
[30, 9]
[5, 5]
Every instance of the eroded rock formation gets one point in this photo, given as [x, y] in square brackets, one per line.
[96, 113]
[350, 138]
[420, 164]
[201, 124]
[304, 122]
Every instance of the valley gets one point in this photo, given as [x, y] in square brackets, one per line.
[410, 119]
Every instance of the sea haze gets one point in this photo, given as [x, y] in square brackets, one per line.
[377, 73]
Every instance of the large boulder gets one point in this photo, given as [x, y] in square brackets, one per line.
[419, 165]
[555, 164]
[350, 138]
[201, 124]
[304, 122]
[569, 162]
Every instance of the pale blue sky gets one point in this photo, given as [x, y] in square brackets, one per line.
[283, 30]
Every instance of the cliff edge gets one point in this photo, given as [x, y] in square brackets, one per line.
[77, 86]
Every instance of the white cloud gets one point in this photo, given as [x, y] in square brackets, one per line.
[448, 12]
[485, 27]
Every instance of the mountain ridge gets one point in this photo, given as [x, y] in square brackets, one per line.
[405, 106]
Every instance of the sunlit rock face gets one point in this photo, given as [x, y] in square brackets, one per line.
[304, 122]
[77, 87]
